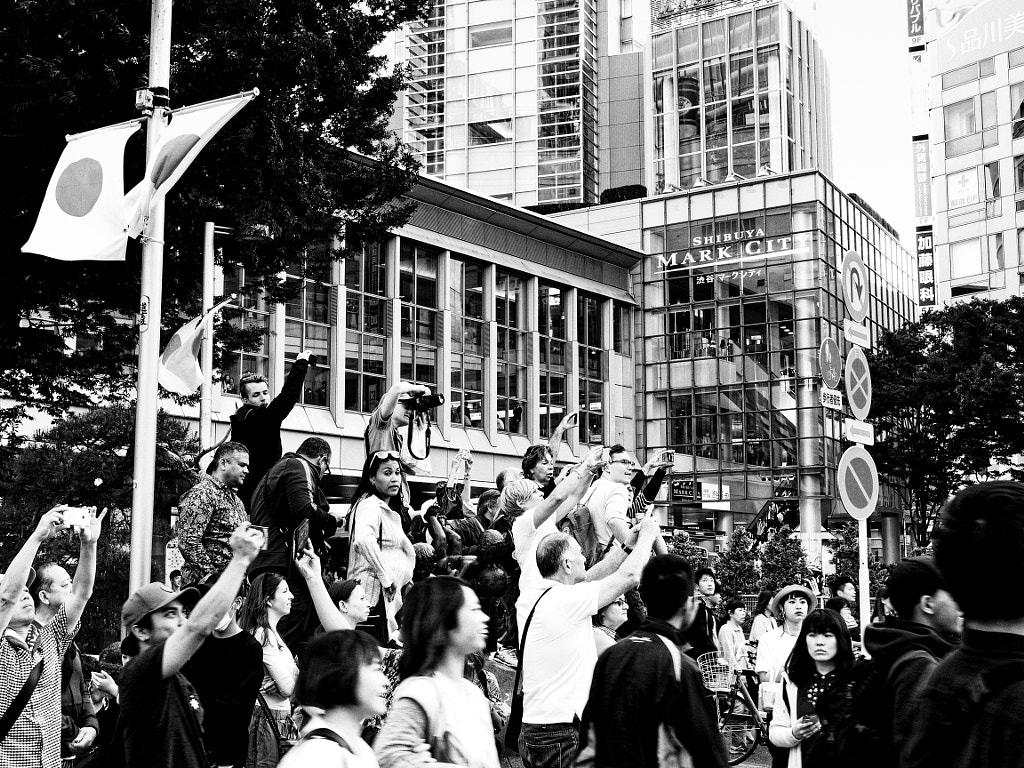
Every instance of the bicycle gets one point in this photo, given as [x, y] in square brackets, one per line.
[742, 725]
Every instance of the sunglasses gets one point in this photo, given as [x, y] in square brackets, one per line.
[382, 455]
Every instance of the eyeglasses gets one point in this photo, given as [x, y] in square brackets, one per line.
[630, 462]
[621, 602]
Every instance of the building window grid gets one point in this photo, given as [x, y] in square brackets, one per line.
[420, 322]
[468, 342]
[307, 325]
[425, 93]
[366, 329]
[510, 311]
[251, 312]
[591, 367]
[551, 309]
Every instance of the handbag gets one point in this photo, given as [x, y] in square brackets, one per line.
[13, 712]
[514, 726]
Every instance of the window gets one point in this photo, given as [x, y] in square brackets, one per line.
[510, 313]
[959, 119]
[253, 318]
[490, 132]
[553, 369]
[1018, 173]
[992, 186]
[965, 258]
[469, 342]
[417, 287]
[1017, 108]
[496, 33]
[307, 323]
[622, 328]
[589, 334]
[366, 329]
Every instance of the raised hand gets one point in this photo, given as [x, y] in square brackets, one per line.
[50, 524]
[308, 563]
[246, 542]
[91, 533]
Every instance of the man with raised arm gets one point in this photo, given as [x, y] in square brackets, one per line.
[161, 714]
[33, 740]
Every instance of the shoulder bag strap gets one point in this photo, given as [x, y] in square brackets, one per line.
[18, 703]
[269, 716]
[677, 660]
[522, 643]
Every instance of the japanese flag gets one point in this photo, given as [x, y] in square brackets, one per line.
[179, 369]
[82, 217]
[181, 141]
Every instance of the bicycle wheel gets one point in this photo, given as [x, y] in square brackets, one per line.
[739, 729]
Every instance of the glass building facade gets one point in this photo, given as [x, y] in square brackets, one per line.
[736, 88]
[503, 97]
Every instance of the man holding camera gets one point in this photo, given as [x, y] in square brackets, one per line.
[384, 432]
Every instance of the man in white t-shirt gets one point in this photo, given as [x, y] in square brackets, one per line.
[559, 654]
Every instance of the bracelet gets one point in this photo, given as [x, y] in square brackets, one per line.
[627, 550]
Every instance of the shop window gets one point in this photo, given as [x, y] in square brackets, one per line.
[510, 307]
[468, 342]
[307, 323]
[366, 329]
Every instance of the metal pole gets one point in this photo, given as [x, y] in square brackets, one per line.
[144, 476]
[206, 388]
[864, 586]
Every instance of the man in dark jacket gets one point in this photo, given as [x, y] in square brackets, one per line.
[287, 496]
[642, 686]
[970, 712]
[257, 424]
[702, 632]
[907, 647]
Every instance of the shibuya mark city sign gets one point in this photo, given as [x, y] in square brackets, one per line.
[733, 248]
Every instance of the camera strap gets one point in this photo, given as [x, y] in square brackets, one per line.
[418, 436]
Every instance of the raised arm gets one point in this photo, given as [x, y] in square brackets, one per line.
[245, 543]
[85, 573]
[328, 613]
[569, 421]
[286, 399]
[387, 404]
[628, 574]
[15, 579]
[570, 490]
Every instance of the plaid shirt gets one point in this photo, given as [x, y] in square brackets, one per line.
[208, 514]
[34, 740]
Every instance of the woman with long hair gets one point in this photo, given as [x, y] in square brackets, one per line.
[381, 556]
[607, 621]
[764, 621]
[435, 705]
[341, 677]
[823, 654]
[269, 599]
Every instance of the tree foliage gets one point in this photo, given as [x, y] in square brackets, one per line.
[282, 162]
[737, 566]
[62, 466]
[846, 557]
[947, 404]
[783, 561]
[683, 545]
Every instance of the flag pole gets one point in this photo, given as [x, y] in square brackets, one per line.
[206, 388]
[144, 471]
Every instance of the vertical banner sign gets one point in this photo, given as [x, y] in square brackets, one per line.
[915, 21]
[925, 268]
[922, 181]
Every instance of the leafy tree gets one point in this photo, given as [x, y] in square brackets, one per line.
[783, 561]
[86, 460]
[682, 544]
[947, 403]
[283, 162]
[846, 557]
[737, 566]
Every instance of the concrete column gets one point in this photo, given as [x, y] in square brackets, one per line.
[444, 351]
[532, 287]
[490, 416]
[892, 534]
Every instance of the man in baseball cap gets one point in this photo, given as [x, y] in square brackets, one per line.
[161, 713]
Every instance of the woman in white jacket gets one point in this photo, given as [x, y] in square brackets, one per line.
[822, 655]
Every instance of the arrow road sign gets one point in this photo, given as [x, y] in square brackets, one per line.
[858, 383]
[858, 432]
[855, 286]
[830, 363]
[857, 478]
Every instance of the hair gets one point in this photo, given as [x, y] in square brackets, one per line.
[878, 609]
[734, 605]
[42, 581]
[174, 573]
[331, 666]
[502, 479]
[764, 599]
[598, 618]
[430, 612]
[314, 448]
[702, 572]
[227, 451]
[841, 581]
[980, 541]
[341, 591]
[510, 503]
[130, 643]
[253, 615]
[617, 448]
[550, 551]
[800, 665]
[488, 497]
[666, 584]
[837, 604]
[365, 487]
[535, 455]
[909, 581]
[247, 379]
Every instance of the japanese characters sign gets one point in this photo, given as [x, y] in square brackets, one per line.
[962, 188]
[922, 180]
[986, 29]
[733, 249]
[925, 268]
[915, 21]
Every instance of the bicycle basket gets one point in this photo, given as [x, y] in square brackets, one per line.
[716, 673]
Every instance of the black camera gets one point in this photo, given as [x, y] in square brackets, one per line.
[424, 402]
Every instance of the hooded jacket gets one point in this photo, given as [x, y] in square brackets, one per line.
[906, 653]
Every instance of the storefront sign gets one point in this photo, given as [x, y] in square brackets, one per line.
[733, 248]
[925, 268]
[915, 21]
[962, 188]
[922, 180]
[979, 30]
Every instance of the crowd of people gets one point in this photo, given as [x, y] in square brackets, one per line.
[304, 636]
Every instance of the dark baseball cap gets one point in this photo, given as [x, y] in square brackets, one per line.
[153, 597]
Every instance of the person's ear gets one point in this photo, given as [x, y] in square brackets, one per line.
[925, 604]
[141, 634]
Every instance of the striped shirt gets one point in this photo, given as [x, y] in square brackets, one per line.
[34, 739]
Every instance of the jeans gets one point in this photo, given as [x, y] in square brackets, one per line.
[549, 746]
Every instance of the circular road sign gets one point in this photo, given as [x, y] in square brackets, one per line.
[855, 286]
[830, 363]
[858, 383]
[857, 478]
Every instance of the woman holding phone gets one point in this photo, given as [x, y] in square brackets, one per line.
[821, 657]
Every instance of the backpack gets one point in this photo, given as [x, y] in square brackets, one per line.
[581, 527]
[858, 716]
